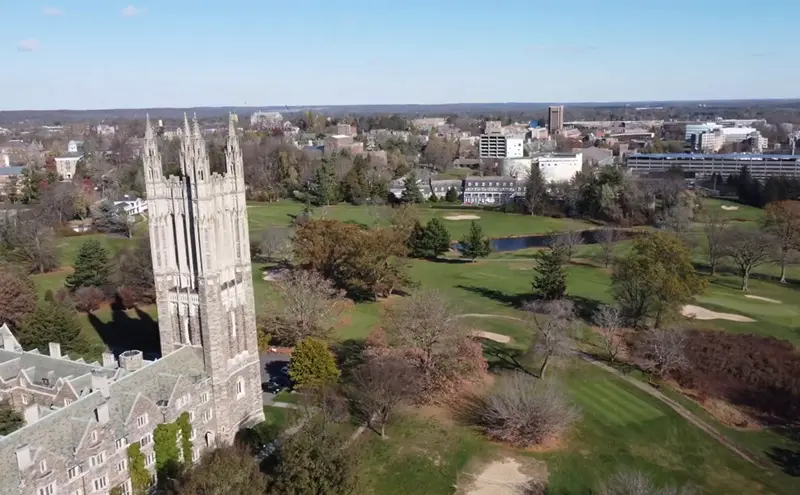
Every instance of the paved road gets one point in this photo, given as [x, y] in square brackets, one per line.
[271, 365]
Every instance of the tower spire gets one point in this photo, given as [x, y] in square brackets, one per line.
[187, 156]
[234, 152]
[152, 158]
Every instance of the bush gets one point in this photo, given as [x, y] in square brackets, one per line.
[744, 369]
[524, 411]
[126, 297]
[88, 299]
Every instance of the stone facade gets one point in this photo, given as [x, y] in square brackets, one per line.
[81, 417]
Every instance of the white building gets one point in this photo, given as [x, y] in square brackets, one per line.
[66, 165]
[710, 142]
[697, 129]
[518, 167]
[132, 205]
[560, 167]
[737, 134]
[105, 130]
[74, 146]
[500, 146]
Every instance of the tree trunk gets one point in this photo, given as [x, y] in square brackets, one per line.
[544, 367]
[745, 278]
[383, 430]
[783, 269]
[713, 265]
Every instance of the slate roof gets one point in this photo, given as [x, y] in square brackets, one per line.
[61, 431]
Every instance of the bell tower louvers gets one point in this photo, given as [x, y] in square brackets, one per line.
[203, 276]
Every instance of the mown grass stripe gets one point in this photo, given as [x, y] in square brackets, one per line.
[627, 413]
[599, 405]
[623, 396]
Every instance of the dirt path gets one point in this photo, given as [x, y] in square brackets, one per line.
[678, 408]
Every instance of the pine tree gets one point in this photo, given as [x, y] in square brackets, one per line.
[52, 322]
[411, 192]
[475, 245]
[323, 189]
[92, 268]
[313, 364]
[535, 192]
[430, 241]
[452, 195]
[550, 282]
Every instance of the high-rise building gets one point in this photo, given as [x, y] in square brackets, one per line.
[555, 118]
[500, 146]
[201, 264]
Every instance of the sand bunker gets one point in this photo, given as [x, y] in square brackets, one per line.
[699, 313]
[503, 477]
[760, 298]
[462, 217]
[729, 207]
[497, 337]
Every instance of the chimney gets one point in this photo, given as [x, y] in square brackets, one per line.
[31, 414]
[100, 382]
[109, 361]
[131, 360]
[101, 413]
[24, 457]
[55, 349]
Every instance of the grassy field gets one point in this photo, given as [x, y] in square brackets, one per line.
[736, 212]
[494, 224]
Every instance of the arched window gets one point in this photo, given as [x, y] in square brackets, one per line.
[240, 387]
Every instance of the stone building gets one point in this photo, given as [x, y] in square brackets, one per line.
[82, 417]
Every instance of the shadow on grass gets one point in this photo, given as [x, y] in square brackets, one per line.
[705, 269]
[513, 300]
[349, 354]
[787, 459]
[504, 358]
[124, 333]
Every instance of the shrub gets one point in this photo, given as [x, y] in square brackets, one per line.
[524, 411]
[88, 299]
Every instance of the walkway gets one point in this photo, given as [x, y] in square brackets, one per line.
[653, 392]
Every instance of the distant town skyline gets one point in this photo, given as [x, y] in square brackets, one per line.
[96, 54]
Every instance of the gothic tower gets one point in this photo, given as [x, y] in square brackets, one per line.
[201, 262]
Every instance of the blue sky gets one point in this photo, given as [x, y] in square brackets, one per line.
[107, 54]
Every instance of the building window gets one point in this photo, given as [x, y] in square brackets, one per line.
[24, 399]
[239, 387]
[94, 436]
[142, 420]
[100, 483]
[191, 416]
[145, 441]
[79, 491]
[195, 454]
[73, 472]
[204, 397]
[48, 490]
[97, 460]
[67, 402]
[150, 459]
[122, 466]
[121, 442]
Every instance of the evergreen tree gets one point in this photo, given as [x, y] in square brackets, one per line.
[411, 192]
[313, 364]
[10, 419]
[452, 195]
[430, 241]
[92, 268]
[355, 188]
[52, 322]
[550, 282]
[323, 189]
[12, 189]
[433, 198]
[535, 192]
[475, 245]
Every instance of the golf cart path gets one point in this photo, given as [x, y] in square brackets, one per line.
[650, 390]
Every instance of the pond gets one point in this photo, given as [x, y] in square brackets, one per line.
[505, 244]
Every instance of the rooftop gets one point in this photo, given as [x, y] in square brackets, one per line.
[712, 156]
[5, 171]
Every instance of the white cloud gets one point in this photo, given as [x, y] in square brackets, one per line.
[28, 45]
[52, 11]
[131, 11]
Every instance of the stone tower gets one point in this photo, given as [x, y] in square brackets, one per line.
[203, 276]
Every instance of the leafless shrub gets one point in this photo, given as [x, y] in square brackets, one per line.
[88, 299]
[276, 244]
[609, 321]
[379, 386]
[748, 249]
[309, 305]
[662, 351]
[629, 482]
[524, 411]
[553, 323]
[568, 241]
[606, 238]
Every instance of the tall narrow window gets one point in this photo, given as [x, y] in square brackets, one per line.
[233, 325]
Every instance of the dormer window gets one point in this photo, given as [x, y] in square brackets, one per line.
[94, 436]
[141, 420]
[43, 466]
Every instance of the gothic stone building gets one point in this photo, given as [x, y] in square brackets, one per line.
[81, 417]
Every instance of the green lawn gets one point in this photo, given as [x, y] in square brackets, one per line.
[494, 223]
[734, 211]
[69, 246]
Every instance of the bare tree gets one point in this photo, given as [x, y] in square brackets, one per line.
[31, 243]
[606, 238]
[276, 243]
[609, 321]
[17, 296]
[663, 351]
[379, 386]
[568, 241]
[309, 305]
[424, 321]
[715, 228]
[629, 482]
[552, 323]
[748, 249]
[524, 411]
[58, 203]
[678, 219]
[782, 221]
